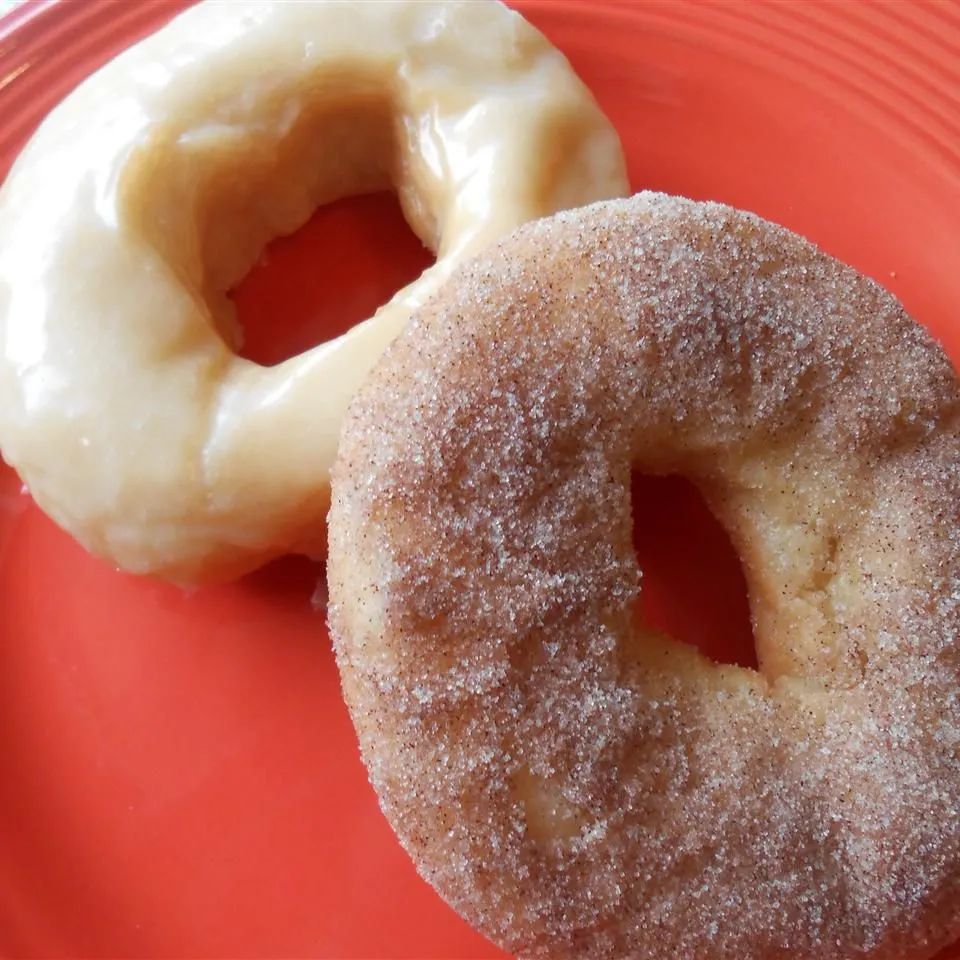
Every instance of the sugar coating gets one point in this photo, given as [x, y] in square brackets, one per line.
[574, 785]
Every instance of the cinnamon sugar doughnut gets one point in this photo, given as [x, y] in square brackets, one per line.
[150, 191]
[576, 786]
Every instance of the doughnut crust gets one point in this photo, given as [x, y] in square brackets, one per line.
[578, 786]
[150, 191]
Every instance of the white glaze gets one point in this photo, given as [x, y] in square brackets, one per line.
[151, 190]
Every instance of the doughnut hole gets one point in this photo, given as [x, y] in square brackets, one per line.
[282, 219]
[693, 588]
[351, 256]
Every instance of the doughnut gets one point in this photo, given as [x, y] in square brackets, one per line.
[572, 782]
[150, 191]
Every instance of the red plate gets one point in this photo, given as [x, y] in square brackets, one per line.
[178, 775]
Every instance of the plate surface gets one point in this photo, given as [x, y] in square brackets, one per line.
[178, 774]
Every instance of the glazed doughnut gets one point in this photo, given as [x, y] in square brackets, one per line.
[579, 786]
[152, 188]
